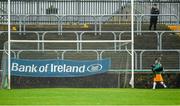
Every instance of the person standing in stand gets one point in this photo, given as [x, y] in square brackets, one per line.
[154, 17]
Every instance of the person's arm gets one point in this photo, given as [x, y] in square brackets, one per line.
[159, 59]
[152, 10]
[158, 11]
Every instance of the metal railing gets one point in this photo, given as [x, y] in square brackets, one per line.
[79, 37]
[96, 20]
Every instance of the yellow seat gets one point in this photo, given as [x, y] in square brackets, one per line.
[85, 26]
[174, 27]
[14, 28]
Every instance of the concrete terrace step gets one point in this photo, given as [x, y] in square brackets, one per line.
[144, 41]
[84, 27]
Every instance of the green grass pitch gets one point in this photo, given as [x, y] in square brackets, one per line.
[89, 96]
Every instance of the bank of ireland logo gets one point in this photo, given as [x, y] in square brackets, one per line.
[94, 68]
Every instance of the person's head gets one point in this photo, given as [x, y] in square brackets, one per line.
[155, 5]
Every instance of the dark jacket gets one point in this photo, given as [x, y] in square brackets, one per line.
[154, 11]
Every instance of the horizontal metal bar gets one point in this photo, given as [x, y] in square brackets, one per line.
[175, 31]
[70, 41]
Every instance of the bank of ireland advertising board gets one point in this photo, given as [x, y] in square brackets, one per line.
[58, 68]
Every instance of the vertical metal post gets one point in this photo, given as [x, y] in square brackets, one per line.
[115, 43]
[135, 55]
[37, 6]
[120, 39]
[100, 26]
[95, 24]
[78, 44]
[160, 40]
[140, 24]
[132, 44]
[9, 46]
[20, 24]
[79, 11]
[140, 61]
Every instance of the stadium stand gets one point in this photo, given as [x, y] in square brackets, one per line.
[148, 44]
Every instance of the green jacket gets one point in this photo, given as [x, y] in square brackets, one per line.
[157, 69]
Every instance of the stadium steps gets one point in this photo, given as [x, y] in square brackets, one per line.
[85, 55]
[170, 41]
[38, 55]
[67, 27]
[17, 36]
[160, 27]
[106, 26]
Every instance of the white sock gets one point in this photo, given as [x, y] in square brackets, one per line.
[162, 83]
[154, 85]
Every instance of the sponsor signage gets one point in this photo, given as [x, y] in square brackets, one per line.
[58, 68]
